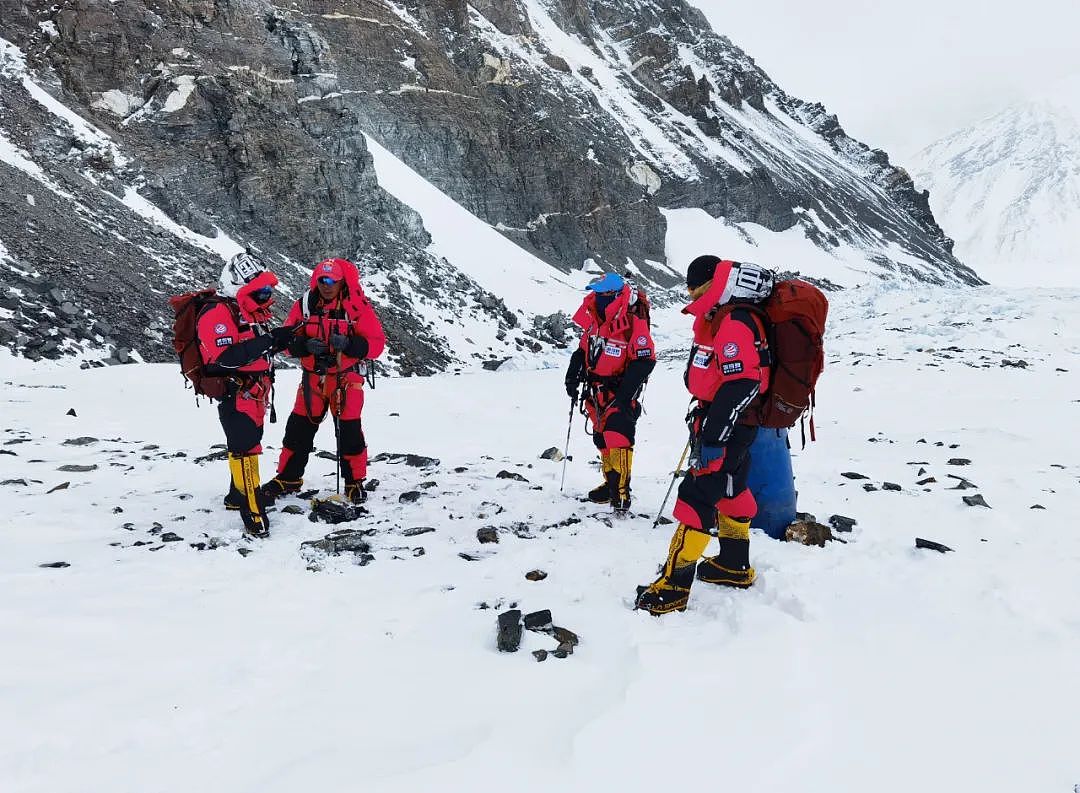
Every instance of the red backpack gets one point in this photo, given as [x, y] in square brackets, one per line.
[795, 315]
[187, 308]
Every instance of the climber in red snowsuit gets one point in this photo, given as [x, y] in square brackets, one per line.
[236, 342]
[727, 370]
[614, 358]
[337, 333]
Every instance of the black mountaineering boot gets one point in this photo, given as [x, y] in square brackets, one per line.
[667, 593]
[355, 493]
[277, 487]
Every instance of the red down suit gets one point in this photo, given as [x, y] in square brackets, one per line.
[333, 382]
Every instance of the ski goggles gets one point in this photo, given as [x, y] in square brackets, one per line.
[262, 295]
[326, 280]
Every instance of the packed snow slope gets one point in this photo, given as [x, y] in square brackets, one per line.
[1008, 189]
[150, 664]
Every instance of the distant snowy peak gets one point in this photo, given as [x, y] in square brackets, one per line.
[1008, 189]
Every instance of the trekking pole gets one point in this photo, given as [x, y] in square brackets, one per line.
[566, 449]
[674, 477]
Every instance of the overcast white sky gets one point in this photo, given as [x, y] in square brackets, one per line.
[902, 73]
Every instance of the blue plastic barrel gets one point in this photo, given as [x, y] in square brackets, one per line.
[772, 482]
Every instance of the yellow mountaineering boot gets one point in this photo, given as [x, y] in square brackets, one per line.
[244, 469]
[618, 478]
[730, 567]
[671, 591]
[602, 493]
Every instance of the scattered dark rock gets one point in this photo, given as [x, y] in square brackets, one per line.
[185, 496]
[554, 453]
[364, 559]
[77, 469]
[930, 545]
[410, 496]
[427, 485]
[418, 551]
[293, 509]
[1036, 506]
[244, 551]
[333, 512]
[414, 460]
[536, 575]
[61, 486]
[416, 531]
[565, 636]
[22, 482]
[928, 481]
[487, 534]
[468, 557]
[307, 495]
[508, 638]
[869, 488]
[198, 546]
[976, 501]
[71, 412]
[9, 452]
[962, 484]
[55, 565]
[371, 485]
[461, 469]
[807, 516]
[808, 533]
[921, 440]
[511, 475]
[853, 475]
[539, 621]
[891, 486]
[959, 461]
[1020, 363]
[212, 457]
[842, 524]
[139, 543]
[326, 456]
[562, 652]
[663, 520]
[171, 537]
[338, 542]
[540, 655]
[521, 531]
[83, 440]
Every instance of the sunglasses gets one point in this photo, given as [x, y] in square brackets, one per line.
[326, 280]
[262, 295]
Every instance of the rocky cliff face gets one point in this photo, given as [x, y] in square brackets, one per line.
[565, 124]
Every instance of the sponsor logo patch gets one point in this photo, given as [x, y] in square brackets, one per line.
[327, 268]
[224, 341]
[702, 357]
[731, 350]
[644, 353]
[220, 328]
[614, 350]
[732, 367]
[642, 341]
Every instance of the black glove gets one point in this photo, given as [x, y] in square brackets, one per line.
[282, 337]
[572, 388]
[317, 347]
[338, 341]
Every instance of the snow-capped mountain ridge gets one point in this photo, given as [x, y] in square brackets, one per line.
[1008, 189]
[573, 129]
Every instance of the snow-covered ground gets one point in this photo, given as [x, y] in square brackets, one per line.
[865, 665]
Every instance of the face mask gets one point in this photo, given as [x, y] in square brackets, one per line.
[603, 300]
